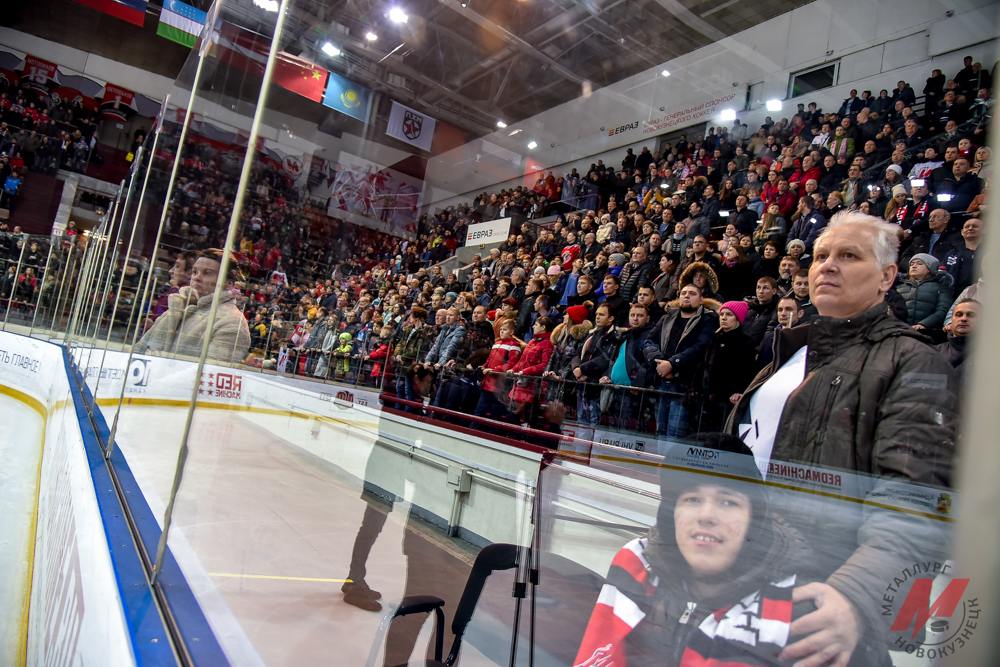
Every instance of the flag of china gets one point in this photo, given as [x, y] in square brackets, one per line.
[299, 76]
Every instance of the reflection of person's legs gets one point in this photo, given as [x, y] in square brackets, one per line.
[677, 422]
[357, 592]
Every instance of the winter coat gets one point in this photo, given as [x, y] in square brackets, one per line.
[183, 327]
[737, 281]
[567, 350]
[448, 343]
[533, 361]
[697, 333]
[633, 277]
[503, 355]
[927, 301]
[595, 357]
[639, 372]
[411, 343]
[879, 401]
[758, 318]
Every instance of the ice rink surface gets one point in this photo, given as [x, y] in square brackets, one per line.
[264, 532]
[20, 458]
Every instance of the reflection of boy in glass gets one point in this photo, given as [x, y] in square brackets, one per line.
[712, 582]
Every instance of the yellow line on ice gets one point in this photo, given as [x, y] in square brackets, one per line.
[268, 576]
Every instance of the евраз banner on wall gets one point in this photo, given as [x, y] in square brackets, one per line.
[133, 11]
[348, 97]
[411, 126]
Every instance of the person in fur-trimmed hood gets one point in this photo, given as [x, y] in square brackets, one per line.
[702, 276]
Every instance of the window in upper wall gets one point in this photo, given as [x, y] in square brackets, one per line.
[755, 96]
[814, 78]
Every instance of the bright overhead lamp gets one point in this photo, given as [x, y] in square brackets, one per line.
[268, 5]
[532, 145]
[514, 132]
[501, 124]
[397, 15]
[370, 36]
[329, 49]
[773, 105]
[664, 73]
[728, 114]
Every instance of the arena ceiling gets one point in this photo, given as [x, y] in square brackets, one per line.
[506, 59]
[468, 66]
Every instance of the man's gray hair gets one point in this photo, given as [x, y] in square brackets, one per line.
[886, 245]
[519, 272]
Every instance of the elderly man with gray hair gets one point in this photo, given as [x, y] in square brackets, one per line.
[859, 392]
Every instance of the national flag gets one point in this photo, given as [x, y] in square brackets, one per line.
[248, 51]
[181, 22]
[348, 97]
[133, 11]
[299, 76]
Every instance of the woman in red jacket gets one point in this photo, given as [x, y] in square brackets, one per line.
[533, 361]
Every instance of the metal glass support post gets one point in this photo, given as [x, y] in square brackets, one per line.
[234, 221]
[38, 304]
[67, 270]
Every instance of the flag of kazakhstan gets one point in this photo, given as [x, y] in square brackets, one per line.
[347, 97]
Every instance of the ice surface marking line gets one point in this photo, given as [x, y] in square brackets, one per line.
[268, 576]
[37, 406]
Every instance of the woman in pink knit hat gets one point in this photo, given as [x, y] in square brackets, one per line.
[728, 368]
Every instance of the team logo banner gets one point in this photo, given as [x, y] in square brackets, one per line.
[411, 126]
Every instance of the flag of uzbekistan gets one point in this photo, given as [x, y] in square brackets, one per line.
[180, 22]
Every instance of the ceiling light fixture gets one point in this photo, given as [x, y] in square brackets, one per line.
[728, 114]
[513, 133]
[268, 5]
[397, 15]
[501, 124]
[329, 49]
[532, 145]
[465, 3]
[370, 36]
[664, 73]
[774, 105]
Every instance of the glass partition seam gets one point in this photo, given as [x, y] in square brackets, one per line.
[109, 269]
[41, 286]
[17, 272]
[93, 248]
[223, 272]
[128, 256]
[67, 269]
[97, 271]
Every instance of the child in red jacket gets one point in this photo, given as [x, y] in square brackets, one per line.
[503, 356]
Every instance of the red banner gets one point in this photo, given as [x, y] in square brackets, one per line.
[117, 103]
[71, 95]
[39, 74]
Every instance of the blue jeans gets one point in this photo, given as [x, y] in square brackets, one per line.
[405, 390]
[671, 414]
